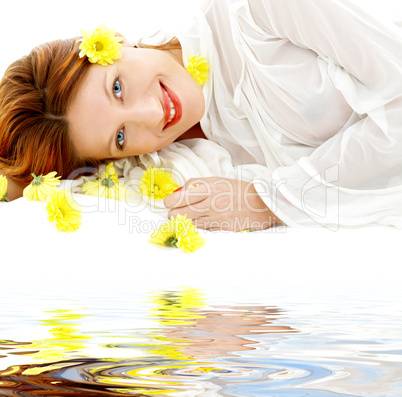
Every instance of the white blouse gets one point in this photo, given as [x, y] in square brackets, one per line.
[304, 99]
[306, 96]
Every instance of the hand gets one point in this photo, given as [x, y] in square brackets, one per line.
[221, 204]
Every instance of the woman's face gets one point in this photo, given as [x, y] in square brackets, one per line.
[141, 103]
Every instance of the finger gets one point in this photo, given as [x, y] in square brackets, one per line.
[189, 212]
[191, 193]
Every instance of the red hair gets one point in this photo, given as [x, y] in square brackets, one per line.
[35, 93]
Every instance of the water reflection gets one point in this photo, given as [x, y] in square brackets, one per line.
[177, 342]
[187, 351]
[178, 307]
[65, 328]
[210, 332]
[65, 339]
[190, 350]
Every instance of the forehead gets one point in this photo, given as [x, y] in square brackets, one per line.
[88, 115]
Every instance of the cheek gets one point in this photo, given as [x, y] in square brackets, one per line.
[196, 100]
[141, 143]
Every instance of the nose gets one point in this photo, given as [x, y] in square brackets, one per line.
[146, 112]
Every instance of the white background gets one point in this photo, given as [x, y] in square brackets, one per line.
[26, 23]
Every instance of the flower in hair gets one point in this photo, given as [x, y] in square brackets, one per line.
[198, 68]
[179, 232]
[41, 186]
[3, 188]
[108, 186]
[157, 184]
[102, 46]
[63, 210]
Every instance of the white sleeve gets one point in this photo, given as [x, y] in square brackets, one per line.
[355, 177]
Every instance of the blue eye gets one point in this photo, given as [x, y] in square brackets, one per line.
[120, 139]
[117, 89]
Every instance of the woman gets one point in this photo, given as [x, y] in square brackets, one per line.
[311, 113]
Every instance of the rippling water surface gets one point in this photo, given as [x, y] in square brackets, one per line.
[195, 342]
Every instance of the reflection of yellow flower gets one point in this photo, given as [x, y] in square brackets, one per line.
[3, 188]
[107, 186]
[63, 210]
[179, 232]
[41, 186]
[178, 307]
[102, 46]
[67, 338]
[198, 68]
[175, 309]
[157, 184]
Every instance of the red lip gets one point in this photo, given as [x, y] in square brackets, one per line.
[166, 106]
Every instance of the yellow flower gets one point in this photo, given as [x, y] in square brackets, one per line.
[157, 184]
[101, 46]
[63, 210]
[41, 186]
[3, 188]
[198, 68]
[110, 172]
[180, 233]
[108, 186]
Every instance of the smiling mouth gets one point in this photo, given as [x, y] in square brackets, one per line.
[171, 107]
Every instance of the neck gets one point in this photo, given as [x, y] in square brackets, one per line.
[193, 132]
